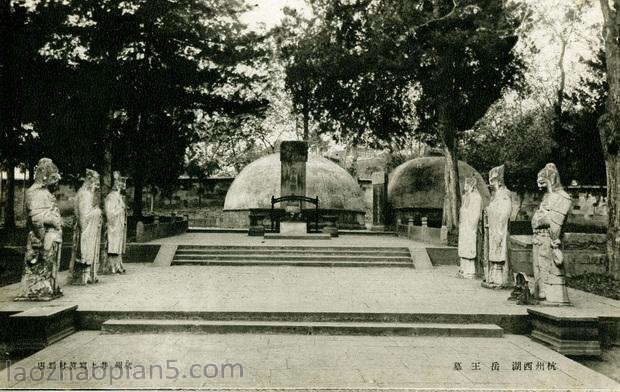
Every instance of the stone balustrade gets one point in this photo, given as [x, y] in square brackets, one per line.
[161, 228]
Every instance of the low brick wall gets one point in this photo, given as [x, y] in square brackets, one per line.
[583, 253]
[161, 228]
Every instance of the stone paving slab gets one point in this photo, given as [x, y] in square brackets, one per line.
[301, 327]
[229, 239]
[146, 287]
[301, 361]
[278, 289]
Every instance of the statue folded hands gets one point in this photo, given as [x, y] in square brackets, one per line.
[87, 232]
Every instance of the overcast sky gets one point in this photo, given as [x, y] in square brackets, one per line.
[269, 12]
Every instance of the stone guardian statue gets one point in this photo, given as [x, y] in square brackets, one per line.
[498, 215]
[471, 209]
[549, 275]
[43, 246]
[116, 214]
[87, 232]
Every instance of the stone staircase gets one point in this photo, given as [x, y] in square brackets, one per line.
[312, 256]
[304, 323]
[301, 327]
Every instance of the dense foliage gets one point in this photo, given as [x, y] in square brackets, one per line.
[382, 70]
[119, 84]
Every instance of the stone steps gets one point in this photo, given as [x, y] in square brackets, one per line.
[295, 247]
[330, 252]
[301, 327]
[293, 256]
[296, 263]
[287, 256]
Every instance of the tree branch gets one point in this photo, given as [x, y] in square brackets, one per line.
[606, 11]
[446, 16]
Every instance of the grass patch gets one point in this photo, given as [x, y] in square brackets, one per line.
[599, 284]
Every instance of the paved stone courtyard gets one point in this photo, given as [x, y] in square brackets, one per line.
[425, 289]
[289, 361]
[298, 361]
[301, 289]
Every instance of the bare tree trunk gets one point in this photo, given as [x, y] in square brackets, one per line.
[609, 129]
[9, 208]
[451, 178]
[1, 192]
[138, 174]
[106, 187]
[558, 126]
[8, 98]
[613, 202]
[453, 193]
[31, 165]
[306, 117]
[137, 193]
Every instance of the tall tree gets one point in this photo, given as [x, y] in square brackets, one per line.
[385, 69]
[26, 28]
[609, 128]
[519, 137]
[296, 52]
[9, 23]
[554, 36]
[583, 152]
[162, 63]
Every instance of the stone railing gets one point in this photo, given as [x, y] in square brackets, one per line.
[423, 233]
[160, 228]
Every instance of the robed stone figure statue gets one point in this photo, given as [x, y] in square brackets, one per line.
[116, 215]
[498, 216]
[43, 245]
[549, 274]
[471, 209]
[87, 231]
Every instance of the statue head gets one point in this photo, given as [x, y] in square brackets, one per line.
[46, 173]
[549, 178]
[471, 184]
[496, 177]
[91, 181]
[120, 182]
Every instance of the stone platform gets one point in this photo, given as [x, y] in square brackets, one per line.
[296, 236]
[163, 298]
[251, 361]
[421, 290]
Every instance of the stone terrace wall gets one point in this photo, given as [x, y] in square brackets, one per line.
[583, 253]
[161, 228]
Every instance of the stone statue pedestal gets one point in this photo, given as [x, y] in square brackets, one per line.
[497, 277]
[290, 230]
[557, 295]
[293, 228]
[330, 225]
[256, 223]
[467, 268]
[38, 299]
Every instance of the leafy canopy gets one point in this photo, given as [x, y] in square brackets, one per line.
[381, 69]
